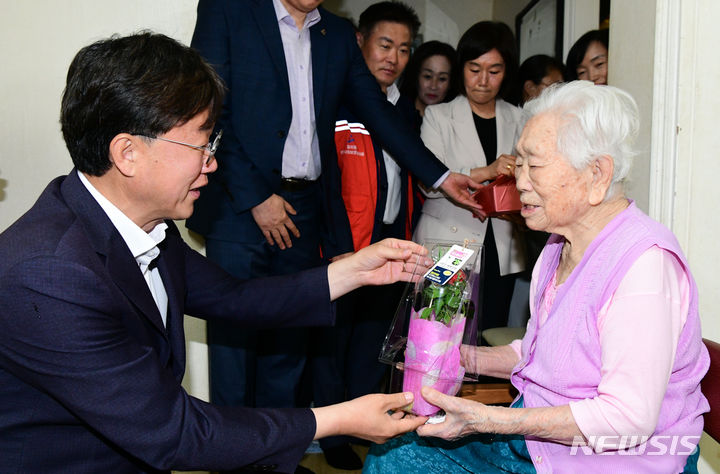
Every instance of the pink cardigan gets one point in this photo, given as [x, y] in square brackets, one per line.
[621, 345]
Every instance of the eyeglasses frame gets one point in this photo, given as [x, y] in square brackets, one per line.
[208, 149]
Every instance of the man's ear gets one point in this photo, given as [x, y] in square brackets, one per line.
[359, 38]
[602, 173]
[125, 152]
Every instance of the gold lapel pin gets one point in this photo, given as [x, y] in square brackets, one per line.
[323, 31]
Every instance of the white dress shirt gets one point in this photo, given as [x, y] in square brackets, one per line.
[392, 170]
[301, 155]
[142, 245]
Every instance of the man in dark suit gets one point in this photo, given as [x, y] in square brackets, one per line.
[95, 280]
[288, 65]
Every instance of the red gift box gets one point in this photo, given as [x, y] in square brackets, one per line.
[499, 197]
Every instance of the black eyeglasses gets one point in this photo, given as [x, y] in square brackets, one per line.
[208, 150]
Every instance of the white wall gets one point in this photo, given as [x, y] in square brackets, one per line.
[631, 69]
[38, 39]
[695, 219]
[580, 16]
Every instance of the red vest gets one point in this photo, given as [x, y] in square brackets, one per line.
[359, 169]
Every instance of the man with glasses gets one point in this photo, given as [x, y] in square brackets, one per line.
[208, 150]
[95, 280]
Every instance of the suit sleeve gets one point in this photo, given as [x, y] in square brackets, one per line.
[298, 300]
[69, 334]
[364, 96]
[238, 175]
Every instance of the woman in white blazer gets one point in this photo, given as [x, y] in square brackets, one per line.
[460, 134]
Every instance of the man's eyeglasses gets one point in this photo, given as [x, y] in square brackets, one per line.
[209, 149]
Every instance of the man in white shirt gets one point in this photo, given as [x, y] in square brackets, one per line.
[95, 281]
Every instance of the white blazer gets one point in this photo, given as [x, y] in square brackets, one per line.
[448, 130]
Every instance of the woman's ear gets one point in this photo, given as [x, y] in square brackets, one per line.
[602, 173]
[124, 153]
[529, 89]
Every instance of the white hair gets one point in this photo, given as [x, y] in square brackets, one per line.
[595, 121]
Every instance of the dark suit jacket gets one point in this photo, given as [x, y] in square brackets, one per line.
[90, 377]
[241, 39]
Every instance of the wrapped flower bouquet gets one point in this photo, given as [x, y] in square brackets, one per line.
[434, 320]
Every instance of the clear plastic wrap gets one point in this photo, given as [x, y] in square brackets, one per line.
[432, 320]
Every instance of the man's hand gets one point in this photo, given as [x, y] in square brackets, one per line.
[341, 256]
[456, 186]
[382, 263]
[271, 216]
[376, 417]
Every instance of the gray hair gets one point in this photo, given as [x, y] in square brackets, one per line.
[596, 120]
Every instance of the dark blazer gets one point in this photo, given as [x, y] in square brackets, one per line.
[241, 39]
[90, 377]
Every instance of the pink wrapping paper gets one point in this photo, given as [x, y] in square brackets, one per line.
[432, 359]
[499, 197]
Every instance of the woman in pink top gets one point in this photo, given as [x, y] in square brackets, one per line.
[609, 370]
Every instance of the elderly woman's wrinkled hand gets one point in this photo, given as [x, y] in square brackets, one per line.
[469, 358]
[462, 417]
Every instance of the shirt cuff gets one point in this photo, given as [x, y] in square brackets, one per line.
[516, 345]
[442, 179]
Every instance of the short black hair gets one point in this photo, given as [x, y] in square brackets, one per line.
[409, 83]
[578, 50]
[142, 84]
[393, 12]
[538, 66]
[483, 37]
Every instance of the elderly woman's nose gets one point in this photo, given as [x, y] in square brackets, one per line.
[522, 183]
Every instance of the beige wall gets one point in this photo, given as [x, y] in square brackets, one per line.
[38, 39]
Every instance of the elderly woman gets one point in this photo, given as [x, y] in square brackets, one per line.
[609, 370]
